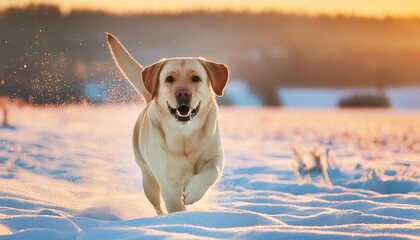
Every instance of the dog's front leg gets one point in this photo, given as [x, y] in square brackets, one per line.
[205, 178]
[172, 196]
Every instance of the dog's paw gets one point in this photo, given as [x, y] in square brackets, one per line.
[194, 191]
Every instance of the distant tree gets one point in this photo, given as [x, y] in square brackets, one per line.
[5, 104]
[365, 100]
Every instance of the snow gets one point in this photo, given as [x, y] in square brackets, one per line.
[239, 93]
[69, 173]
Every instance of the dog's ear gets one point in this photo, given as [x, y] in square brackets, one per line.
[150, 76]
[218, 74]
[128, 66]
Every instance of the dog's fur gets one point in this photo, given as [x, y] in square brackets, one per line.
[179, 152]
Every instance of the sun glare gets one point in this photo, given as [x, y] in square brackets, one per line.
[365, 8]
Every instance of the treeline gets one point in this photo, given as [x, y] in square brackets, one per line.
[46, 57]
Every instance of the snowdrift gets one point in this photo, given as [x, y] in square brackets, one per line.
[69, 173]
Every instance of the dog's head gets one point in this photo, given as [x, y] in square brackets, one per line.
[185, 85]
[181, 86]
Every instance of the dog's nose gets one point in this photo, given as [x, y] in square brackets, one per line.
[183, 94]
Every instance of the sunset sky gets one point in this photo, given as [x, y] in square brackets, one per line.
[367, 8]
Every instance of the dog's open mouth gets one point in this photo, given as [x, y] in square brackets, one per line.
[184, 113]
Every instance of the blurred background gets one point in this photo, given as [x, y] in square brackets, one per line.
[302, 53]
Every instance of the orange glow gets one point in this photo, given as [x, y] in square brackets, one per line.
[365, 8]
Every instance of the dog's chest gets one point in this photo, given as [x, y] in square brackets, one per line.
[187, 147]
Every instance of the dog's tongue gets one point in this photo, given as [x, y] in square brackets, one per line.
[183, 110]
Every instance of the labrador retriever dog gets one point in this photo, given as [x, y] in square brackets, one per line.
[176, 138]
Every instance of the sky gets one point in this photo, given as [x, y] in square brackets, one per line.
[365, 8]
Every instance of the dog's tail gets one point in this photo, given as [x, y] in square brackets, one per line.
[130, 68]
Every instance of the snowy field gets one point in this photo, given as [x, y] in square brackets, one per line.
[69, 173]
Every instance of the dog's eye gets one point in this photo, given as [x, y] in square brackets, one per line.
[196, 78]
[169, 79]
